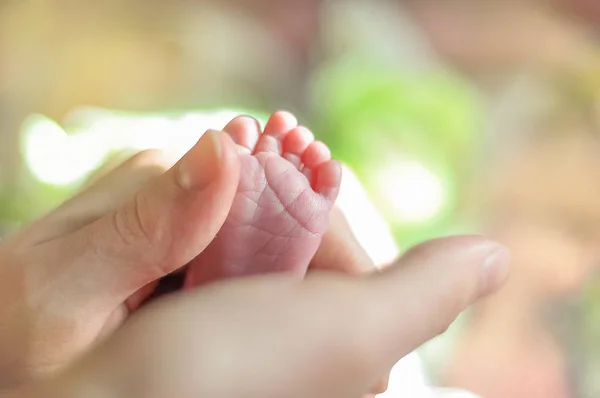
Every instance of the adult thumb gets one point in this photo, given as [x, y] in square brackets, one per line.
[420, 296]
[374, 322]
[164, 226]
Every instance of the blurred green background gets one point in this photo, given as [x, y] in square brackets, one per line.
[424, 100]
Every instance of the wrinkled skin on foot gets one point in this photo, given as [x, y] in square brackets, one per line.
[280, 213]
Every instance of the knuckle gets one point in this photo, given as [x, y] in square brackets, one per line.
[134, 224]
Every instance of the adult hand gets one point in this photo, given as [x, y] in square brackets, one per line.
[340, 251]
[61, 292]
[69, 277]
[331, 336]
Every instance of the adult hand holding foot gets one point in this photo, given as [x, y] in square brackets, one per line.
[71, 276]
[75, 274]
[331, 336]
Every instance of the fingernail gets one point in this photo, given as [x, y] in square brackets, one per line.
[495, 270]
[200, 166]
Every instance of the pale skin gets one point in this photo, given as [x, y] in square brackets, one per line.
[63, 336]
[281, 209]
[72, 276]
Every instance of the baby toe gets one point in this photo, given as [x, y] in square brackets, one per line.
[276, 130]
[269, 144]
[293, 159]
[316, 154]
[280, 123]
[327, 179]
[295, 144]
[245, 131]
[298, 140]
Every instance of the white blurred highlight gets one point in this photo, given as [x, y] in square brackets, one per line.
[411, 192]
[58, 158]
[367, 224]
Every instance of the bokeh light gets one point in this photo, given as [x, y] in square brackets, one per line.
[56, 158]
[411, 191]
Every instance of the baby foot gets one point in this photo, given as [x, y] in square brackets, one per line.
[286, 191]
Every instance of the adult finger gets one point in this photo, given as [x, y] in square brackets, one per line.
[330, 336]
[131, 175]
[165, 225]
[393, 313]
[340, 251]
[334, 335]
[430, 286]
[102, 195]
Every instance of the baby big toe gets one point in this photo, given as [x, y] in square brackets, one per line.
[245, 131]
[275, 132]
